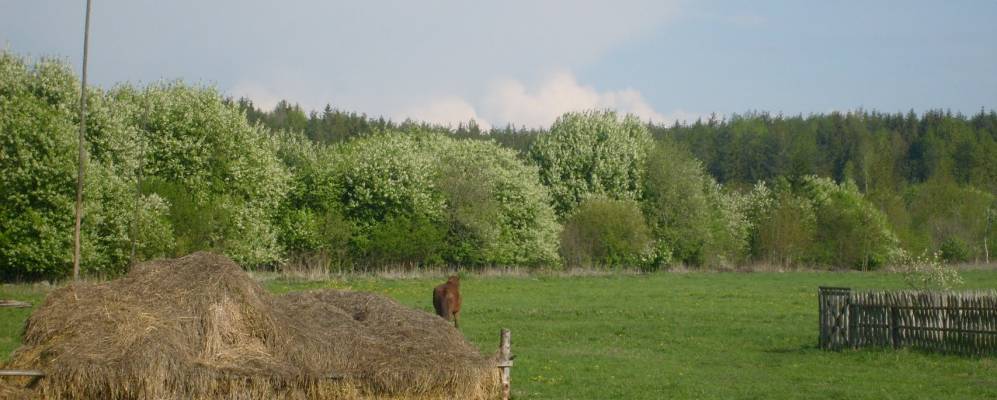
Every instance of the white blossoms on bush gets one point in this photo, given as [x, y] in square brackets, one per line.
[927, 272]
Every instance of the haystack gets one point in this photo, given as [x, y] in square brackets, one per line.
[198, 327]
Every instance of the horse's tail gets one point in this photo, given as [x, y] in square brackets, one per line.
[446, 310]
[441, 304]
[455, 308]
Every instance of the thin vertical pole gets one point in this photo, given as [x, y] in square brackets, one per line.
[991, 213]
[137, 217]
[82, 148]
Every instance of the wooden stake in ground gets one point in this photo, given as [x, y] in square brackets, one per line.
[505, 361]
[82, 149]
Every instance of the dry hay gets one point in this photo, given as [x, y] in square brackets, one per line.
[198, 327]
[12, 391]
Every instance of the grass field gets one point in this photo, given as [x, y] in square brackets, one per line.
[668, 335]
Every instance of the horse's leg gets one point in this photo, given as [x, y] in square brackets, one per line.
[455, 321]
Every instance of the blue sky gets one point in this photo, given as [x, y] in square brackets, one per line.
[526, 62]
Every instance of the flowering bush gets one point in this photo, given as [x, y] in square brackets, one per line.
[482, 203]
[926, 272]
[592, 153]
[38, 167]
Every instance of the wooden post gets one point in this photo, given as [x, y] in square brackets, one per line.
[894, 327]
[82, 149]
[505, 361]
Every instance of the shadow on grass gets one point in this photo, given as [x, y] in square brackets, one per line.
[802, 349]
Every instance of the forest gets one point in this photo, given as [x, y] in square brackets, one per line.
[175, 167]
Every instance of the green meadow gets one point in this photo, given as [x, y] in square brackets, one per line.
[695, 335]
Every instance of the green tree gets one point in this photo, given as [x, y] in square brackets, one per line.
[690, 212]
[949, 217]
[786, 231]
[404, 239]
[314, 233]
[489, 205]
[36, 168]
[221, 176]
[605, 233]
[38, 172]
[592, 153]
[851, 232]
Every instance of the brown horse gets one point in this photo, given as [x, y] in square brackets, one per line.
[446, 299]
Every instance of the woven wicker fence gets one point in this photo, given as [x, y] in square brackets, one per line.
[947, 322]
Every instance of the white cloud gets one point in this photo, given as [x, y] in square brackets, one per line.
[261, 96]
[510, 101]
[445, 111]
[387, 58]
[684, 116]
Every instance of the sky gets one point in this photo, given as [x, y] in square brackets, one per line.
[526, 62]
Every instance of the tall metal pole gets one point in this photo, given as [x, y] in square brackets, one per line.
[82, 148]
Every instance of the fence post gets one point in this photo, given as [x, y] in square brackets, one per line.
[894, 327]
[852, 315]
[849, 320]
[505, 361]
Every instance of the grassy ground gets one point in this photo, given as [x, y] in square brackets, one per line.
[669, 335]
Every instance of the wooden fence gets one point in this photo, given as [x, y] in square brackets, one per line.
[959, 323]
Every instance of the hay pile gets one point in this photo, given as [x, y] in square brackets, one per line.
[198, 327]
[11, 391]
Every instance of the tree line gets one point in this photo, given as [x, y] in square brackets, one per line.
[175, 168]
[933, 175]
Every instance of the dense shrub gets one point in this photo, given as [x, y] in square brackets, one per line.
[954, 250]
[851, 232]
[591, 153]
[111, 222]
[403, 239]
[313, 231]
[689, 211]
[453, 201]
[495, 205]
[471, 210]
[785, 225]
[730, 229]
[926, 272]
[788, 232]
[950, 218]
[819, 222]
[38, 136]
[605, 232]
[221, 177]
[37, 171]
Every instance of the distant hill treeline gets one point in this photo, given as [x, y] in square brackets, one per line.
[878, 151]
[332, 125]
